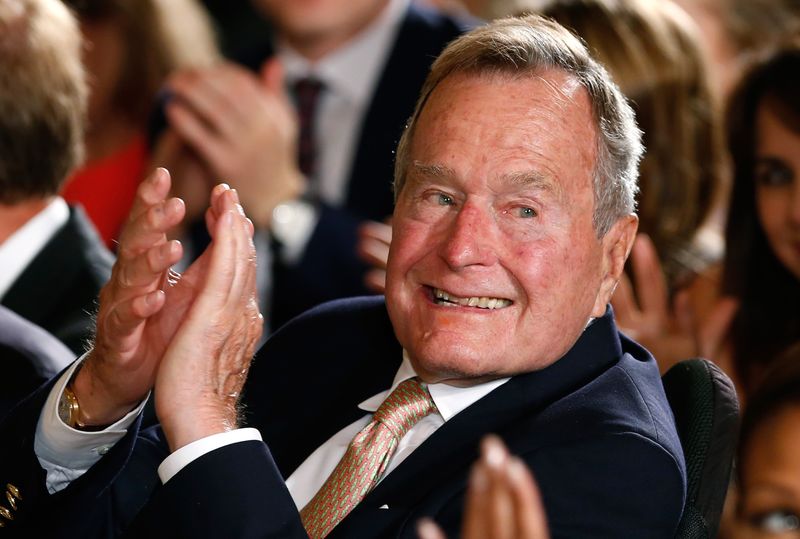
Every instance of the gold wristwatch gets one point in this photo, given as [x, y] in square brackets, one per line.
[69, 411]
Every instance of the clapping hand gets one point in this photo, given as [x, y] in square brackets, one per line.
[503, 501]
[152, 321]
[672, 332]
[243, 128]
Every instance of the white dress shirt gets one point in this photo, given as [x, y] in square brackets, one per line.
[65, 453]
[19, 249]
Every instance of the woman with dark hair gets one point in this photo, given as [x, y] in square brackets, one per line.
[768, 471]
[762, 261]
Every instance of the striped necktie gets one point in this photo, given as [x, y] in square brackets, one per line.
[366, 458]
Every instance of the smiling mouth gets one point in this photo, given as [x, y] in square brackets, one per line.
[440, 297]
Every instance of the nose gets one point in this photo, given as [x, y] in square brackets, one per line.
[471, 238]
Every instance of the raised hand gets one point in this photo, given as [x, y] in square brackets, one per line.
[205, 365]
[669, 332]
[243, 128]
[374, 239]
[132, 331]
[503, 501]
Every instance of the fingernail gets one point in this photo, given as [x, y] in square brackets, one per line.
[493, 453]
[174, 204]
[426, 528]
[151, 298]
[171, 247]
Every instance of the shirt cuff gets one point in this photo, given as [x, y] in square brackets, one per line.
[193, 451]
[293, 222]
[66, 453]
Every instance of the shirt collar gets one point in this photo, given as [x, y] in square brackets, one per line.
[449, 400]
[21, 247]
[353, 69]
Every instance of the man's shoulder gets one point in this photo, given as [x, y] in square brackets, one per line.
[627, 398]
[45, 354]
[613, 437]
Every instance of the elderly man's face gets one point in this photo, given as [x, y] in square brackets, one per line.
[495, 267]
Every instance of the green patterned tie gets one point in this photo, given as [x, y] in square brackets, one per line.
[366, 458]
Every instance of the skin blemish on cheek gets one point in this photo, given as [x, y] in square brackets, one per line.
[445, 321]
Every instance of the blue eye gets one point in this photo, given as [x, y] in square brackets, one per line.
[527, 213]
[777, 521]
[444, 200]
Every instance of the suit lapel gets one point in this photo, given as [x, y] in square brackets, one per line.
[453, 447]
[39, 289]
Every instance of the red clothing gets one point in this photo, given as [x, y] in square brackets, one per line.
[106, 187]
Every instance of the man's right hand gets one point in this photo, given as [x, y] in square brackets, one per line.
[131, 332]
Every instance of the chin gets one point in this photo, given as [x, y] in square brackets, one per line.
[442, 361]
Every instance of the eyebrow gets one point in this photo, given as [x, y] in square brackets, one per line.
[432, 171]
[532, 178]
[528, 178]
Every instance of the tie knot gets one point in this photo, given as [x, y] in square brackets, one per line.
[306, 91]
[407, 404]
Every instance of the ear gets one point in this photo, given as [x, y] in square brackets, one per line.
[616, 244]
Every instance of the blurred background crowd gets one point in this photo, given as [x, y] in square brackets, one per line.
[298, 104]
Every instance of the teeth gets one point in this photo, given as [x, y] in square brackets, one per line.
[480, 302]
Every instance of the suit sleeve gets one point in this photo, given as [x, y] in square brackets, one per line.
[234, 491]
[98, 504]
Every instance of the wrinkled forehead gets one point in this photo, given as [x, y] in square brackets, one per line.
[544, 115]
[550, 96]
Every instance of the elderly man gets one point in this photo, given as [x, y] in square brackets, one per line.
[515, 196]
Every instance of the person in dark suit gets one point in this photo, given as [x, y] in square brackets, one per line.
[58, 289]
[53, 262]
[351, 72]
[29, 356]
[515, 214]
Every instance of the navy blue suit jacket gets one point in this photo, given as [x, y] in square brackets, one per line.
[595, 427]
